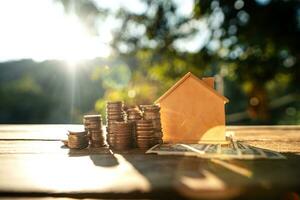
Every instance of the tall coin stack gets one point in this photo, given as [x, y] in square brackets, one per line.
[78, 140]
[152, 112]
[144, 134]
[114, 113]
[93, 124]
[122, 133]
[133, 115]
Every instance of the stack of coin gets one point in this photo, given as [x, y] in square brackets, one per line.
[78, 139]
[144, 134]
[152, 112]
[133, 115]
[93, 124]
[122, 132]
[114, 113]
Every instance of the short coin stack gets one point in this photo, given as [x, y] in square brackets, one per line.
[93, 124]
[133, 115]
[152, 112]
[122, 132]
[114, 113]
[78, 140]
[144, 134]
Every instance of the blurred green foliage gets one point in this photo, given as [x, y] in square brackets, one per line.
[33, 92]
[252, 50]
[251, 47]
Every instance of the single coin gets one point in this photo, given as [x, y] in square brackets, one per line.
[92, 116]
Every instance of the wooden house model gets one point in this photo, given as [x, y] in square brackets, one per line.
[192, 111]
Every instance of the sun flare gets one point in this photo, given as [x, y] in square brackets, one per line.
[46, 32]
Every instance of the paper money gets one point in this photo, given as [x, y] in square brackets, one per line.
[273, 154]
[171, 149]
[199, 148]
[248, 152]
[234, 150]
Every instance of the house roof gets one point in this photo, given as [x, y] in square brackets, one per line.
[184, 78]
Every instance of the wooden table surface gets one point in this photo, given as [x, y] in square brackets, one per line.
[33, 164]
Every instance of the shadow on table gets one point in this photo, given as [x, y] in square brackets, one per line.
[274, 178]
[200, 178]
[164, 173]
[269, 179]
[107, 160]
[184, 176]
[102, 156]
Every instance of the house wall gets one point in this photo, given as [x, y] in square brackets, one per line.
[192, 113]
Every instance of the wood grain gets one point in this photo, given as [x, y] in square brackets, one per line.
[36, 131]
[37, 166]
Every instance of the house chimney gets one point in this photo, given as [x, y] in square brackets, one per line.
[210, 81]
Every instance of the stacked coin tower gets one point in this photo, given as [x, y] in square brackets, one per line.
[78, 140]
[93, 125]
[114, 113]
[122, 133]
[152, 112]
[144, 134]
[133, 115]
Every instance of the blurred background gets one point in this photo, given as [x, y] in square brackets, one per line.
[60, 59]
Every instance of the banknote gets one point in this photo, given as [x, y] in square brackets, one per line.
[199, 148]
[251, 152]
[272, 154]
[171, 149]
[229, 151]
[247, 152]
[233, 150]
[213, 149]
